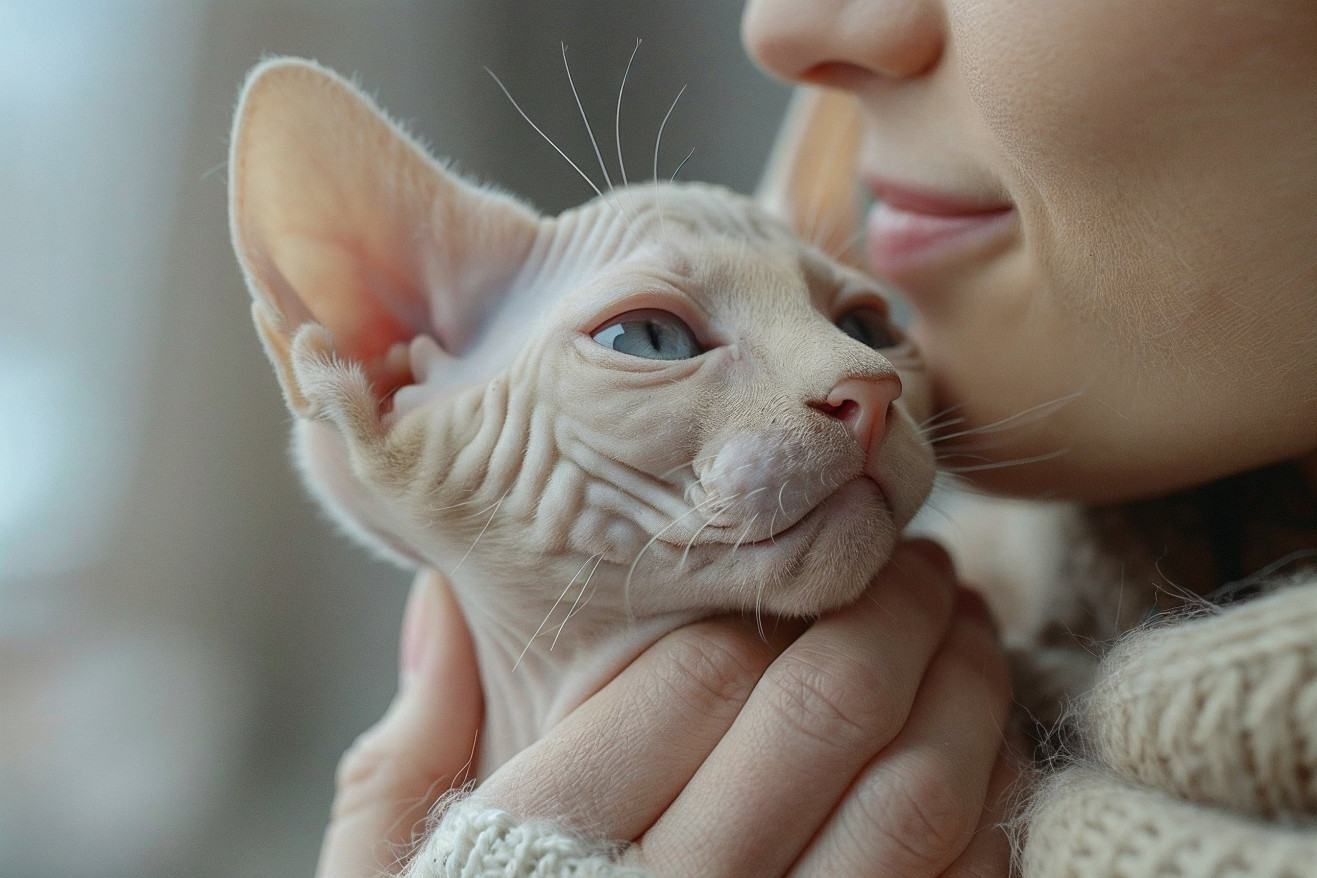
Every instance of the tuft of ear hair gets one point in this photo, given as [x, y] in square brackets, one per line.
[339, 218]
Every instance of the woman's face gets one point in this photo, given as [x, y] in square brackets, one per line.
[1103, 214]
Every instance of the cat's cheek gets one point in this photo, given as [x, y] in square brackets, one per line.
[322, 456]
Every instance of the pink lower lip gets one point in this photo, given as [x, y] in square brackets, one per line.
[903, 243]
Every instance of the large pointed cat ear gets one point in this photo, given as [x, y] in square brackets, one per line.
[340, 219]
[810, 179]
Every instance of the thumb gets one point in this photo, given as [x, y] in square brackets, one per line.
[422, 746]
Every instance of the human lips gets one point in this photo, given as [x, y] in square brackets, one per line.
[912, 230]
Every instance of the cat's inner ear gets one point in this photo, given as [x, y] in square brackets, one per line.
[340, 219]
[810, 179]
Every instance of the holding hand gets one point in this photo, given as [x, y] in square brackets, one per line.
[869, 742]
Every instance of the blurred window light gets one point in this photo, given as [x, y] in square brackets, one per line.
[95, 99]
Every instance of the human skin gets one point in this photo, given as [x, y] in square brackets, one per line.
[1158, 161]
[1155, 271]
[868, 742]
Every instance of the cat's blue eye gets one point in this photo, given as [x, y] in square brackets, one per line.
[869, 326]
[653, 335]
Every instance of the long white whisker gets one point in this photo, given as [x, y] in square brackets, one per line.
[745, 532]
[939, 415]
[617, 119]
[626, 588]
[662, 476]
[759, 608]
[941, 425]
[658, 141]
[481, 534]
[691, 542]
[588, 130]
[549, 615]
[682, 165]
[546, 137]
[599, 558]
[1001, 464]
[1026, 416]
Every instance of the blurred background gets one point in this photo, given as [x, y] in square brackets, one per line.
[186, 645]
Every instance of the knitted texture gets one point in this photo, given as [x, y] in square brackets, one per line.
[1087, 824]
[1199, 737]
[474, 842]
[1220, 710]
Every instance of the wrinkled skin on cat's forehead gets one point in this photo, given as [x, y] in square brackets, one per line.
[663, 396]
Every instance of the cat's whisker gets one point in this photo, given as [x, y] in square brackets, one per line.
[1003, 464]
[927, 432]
[626, 587]
[759, 608]
[780, 492]
[478, 512]
[745, 532]
[682, 165]
[460, 504]
[608, 180]
[549, 615]
[937, 416]
[546, 137]
[481, 534]
[658, 142]
[691, 542]
[617, 119]
[1023, 418]
[663, 476]
[598, 559]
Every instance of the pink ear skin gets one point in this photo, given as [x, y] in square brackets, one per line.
[339, 218]
[810, 182]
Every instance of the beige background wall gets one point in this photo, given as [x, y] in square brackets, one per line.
[185, 645]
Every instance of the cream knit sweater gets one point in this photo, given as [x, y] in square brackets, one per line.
[1200, 762]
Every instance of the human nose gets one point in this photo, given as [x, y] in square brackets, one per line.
[862, 405]
[843, 43]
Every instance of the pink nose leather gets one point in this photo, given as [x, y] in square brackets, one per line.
[862, 404]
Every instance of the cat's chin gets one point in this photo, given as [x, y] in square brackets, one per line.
[825, 560]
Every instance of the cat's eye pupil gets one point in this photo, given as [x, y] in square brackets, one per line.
[651, 335]
[869, 327]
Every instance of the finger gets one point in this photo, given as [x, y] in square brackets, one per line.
[392, 774]
[988, 854]
[611, 767]
[837, 696]
[917, 804]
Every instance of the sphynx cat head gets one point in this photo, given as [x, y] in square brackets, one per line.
[662, 400]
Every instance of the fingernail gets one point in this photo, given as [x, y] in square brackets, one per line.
[418, 626]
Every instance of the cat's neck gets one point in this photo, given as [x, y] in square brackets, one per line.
[532, 682]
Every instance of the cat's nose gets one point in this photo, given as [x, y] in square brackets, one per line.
[862, 405]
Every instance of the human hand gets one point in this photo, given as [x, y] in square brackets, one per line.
[421, 748]
[870, 743]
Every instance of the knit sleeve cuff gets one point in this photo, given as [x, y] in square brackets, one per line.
[475, 842]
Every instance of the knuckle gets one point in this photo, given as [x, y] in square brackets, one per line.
[830, 700]
[368, 773]
[708, 668]
[923, 811]
[974, 652]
